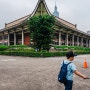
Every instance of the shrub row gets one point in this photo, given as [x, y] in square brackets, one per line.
[17, 46]
[33, 54]
[2, 48]
[76, 48]
[38, 54]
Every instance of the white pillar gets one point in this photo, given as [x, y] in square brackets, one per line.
[89, 43]
[22, 37]
[14, 38]
[77, 41]
[8, 39]
[67, 39]
[3, 39]
[59, 38]
[73, 40]
[82, 41]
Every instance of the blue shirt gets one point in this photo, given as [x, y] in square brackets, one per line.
[70, 69]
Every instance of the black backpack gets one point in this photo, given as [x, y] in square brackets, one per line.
[63, 72]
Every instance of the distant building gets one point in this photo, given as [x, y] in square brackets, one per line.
[55, 13]
[66, 33]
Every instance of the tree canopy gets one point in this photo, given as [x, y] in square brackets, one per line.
[41, 31]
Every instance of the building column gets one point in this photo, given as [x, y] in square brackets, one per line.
[82, 41]
[14, 38]
[3, 39]
[67, 39]
[77, 41]
[86, 42]
[89, 43]
[22, 37]
[59, 38]
[73, 40]
[8, 39]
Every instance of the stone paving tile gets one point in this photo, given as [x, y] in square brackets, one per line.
[26, 73]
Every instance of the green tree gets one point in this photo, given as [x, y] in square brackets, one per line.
[41, 31]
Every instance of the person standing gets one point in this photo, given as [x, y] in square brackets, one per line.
[71, 68]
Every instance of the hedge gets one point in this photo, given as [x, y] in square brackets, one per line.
[2, 48]
[38, 54]
[75, 48]
[33, 54]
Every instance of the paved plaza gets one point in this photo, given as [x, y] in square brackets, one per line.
[26, 73]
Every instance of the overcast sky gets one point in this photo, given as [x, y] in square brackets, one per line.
[74, 11]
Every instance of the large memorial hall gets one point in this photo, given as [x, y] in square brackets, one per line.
[66, 33]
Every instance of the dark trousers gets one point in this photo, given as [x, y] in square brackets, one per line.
[68, 85]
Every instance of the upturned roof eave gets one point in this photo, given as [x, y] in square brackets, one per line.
[39, 1]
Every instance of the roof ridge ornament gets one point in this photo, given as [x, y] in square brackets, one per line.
[38, 3]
